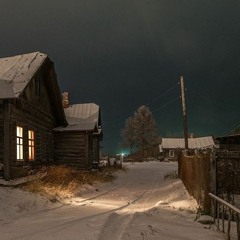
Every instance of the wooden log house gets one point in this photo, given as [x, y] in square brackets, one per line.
[82, 135]
[30, 109]
[170, 147]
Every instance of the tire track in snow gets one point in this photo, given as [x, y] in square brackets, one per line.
[118, 221]
[120, 216]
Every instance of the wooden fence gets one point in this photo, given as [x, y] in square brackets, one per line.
[194, 171]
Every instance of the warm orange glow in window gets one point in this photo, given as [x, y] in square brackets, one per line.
[19, 139]
[31, 149]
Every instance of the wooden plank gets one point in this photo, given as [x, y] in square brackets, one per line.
[238, 226]
[1, 134]
[6, 121]
[70, 149]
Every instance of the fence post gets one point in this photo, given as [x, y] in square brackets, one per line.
[213, 182]
[223, 213]
[238, 227]
[214, 202]
[229, 224]
[213, 172]
[180, 164]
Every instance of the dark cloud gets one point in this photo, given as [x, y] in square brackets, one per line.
[121, 54]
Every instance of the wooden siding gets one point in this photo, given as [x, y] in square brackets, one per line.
[73, 149]
[46, 95]
[32, 112]
[23, 114]
[96, 148]
[1, 134]
[90, 159]
[230, 147]
[41, 99]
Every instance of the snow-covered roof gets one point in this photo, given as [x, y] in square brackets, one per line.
[82, 112]
[193, 143]
[81, 117]
[6, 89]
[17, 71]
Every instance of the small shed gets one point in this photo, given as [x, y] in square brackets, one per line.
[78, 143]
[171, 146]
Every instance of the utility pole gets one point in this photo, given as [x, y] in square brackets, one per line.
[184, 109]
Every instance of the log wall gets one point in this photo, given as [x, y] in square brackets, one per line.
[73, 149]
[25, 115]
[31, 111]
[1, 134]
[96, 148]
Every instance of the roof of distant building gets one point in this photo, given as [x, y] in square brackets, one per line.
[82, 117]
[193, 143]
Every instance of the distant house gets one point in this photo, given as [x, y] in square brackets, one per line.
[171, 146]
[229, 142]
[31, 112]
[78, 144]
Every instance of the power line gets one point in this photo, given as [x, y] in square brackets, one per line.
[163, 106]
[164, 93]
[154, 100]
[234, 126]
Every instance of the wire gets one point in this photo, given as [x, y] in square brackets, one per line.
[234, 126]
[163, 106]
[120, 119]
[164, 93]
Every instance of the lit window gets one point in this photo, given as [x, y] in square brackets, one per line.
[31, 151]
[19, 143]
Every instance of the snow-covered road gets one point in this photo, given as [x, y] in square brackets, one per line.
[140, 204]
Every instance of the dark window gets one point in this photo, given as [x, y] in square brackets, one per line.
[37, 85]
[171, 153]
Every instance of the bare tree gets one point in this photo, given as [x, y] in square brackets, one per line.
[128, 134]
[145, 129]
[140, 130]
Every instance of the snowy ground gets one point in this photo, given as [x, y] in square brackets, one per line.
[139, 205]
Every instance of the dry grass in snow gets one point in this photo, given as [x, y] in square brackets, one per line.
[57, 182]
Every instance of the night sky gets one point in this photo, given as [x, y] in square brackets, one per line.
[121, 54]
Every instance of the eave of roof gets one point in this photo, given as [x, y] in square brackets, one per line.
[86, 127]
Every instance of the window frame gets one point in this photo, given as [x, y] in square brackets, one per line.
[31, 145]
[38, 80]
[171, 153]
[19, 143]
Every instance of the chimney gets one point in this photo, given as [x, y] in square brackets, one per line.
[190, 135]
[65, 101]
